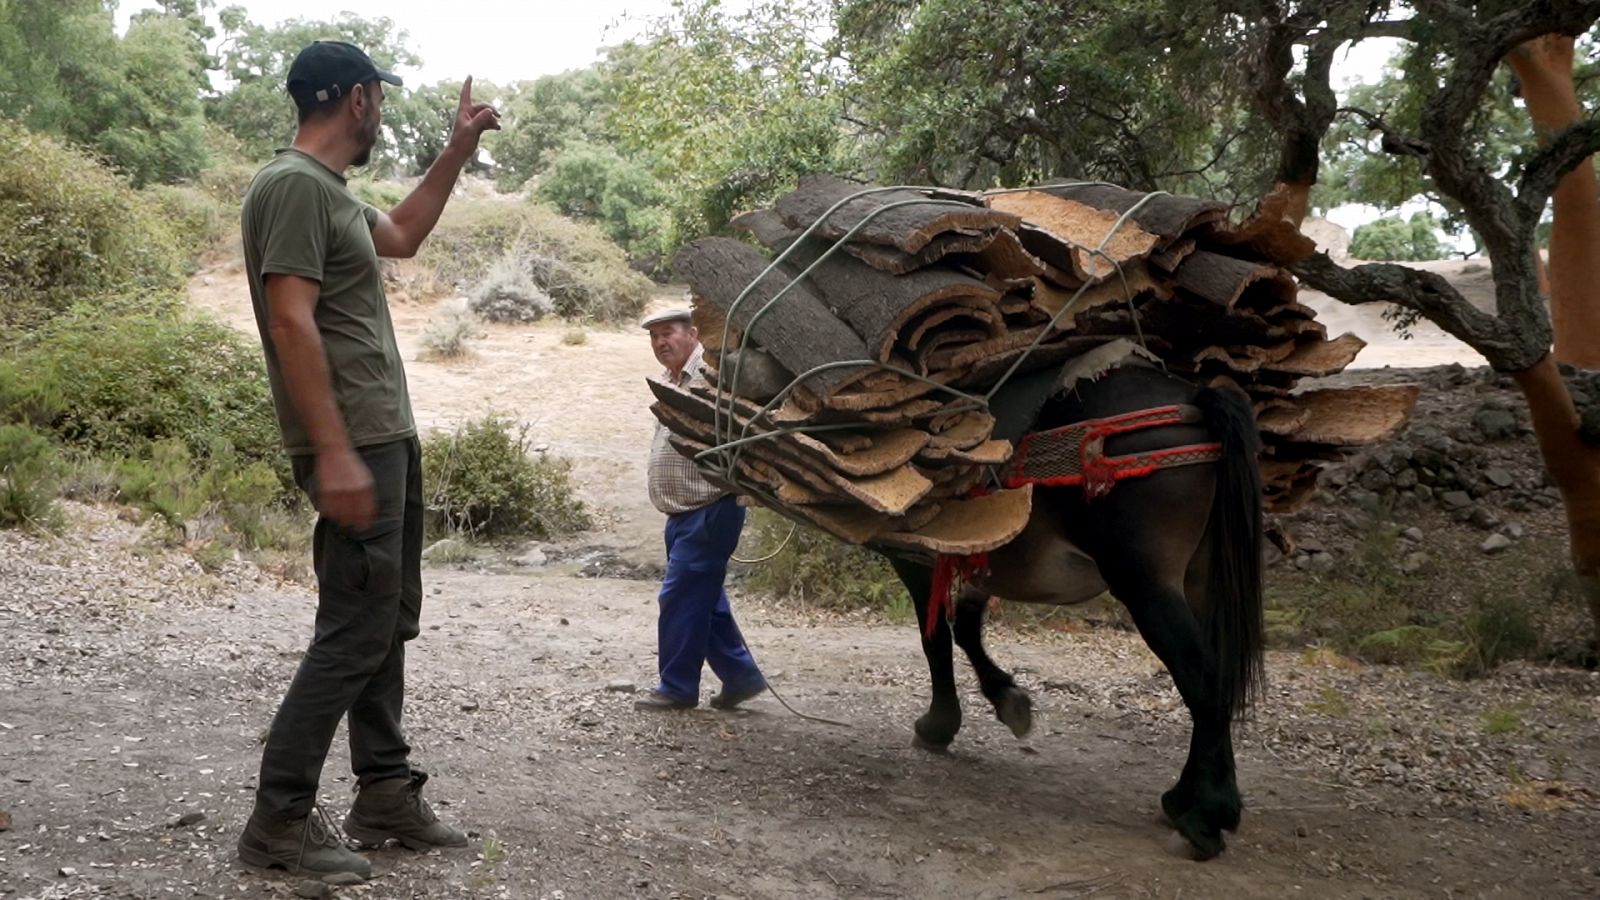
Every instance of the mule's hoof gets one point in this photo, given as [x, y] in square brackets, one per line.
[1175, 803]
[922, 743]
[1015, 709]
[1205, 840]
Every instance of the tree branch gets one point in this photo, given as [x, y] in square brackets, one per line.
[1546, 168]
[1435, 299]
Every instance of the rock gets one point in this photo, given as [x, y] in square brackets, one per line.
[469, 706]
[1311, 545]
[1424, 492]
[1483, 519]
[1322, 562]
[187, 819]
[1513, 530]
[341, 879]
[67, 872]
[1456, 499]
[621, 686]
[313, 890]
[1270, 556]
[1494, 424]
[1494, 543]
[1406, 479]
[1412, 534]
[1377, 480]
[1414, 562]
[1498, 477]
[5, 821]
[533, 557]
[446, 547]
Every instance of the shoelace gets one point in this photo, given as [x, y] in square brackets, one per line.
[320, 831]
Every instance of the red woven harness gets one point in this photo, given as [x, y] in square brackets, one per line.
[1066, 457]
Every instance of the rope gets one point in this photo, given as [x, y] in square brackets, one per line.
[774, 554]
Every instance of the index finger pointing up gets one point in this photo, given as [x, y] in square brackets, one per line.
[466, 93]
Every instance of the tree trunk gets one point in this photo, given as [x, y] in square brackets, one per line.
[1574, 467]
[1544, 68]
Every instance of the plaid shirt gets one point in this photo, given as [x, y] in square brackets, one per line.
[676, 485]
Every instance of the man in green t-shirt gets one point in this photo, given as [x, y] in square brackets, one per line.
[311, 255]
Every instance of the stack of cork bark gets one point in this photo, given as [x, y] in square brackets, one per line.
[862, 352]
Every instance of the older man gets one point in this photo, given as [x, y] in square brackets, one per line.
[703, 523]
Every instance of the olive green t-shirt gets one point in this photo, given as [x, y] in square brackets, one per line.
[299, 218]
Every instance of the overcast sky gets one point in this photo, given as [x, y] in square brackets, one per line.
[497, 40]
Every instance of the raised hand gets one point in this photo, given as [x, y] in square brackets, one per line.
[472, 119]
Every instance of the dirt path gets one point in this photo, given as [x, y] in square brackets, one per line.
[136, 688]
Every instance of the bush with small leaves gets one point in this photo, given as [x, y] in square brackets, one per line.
[509, 293]
[30, 470]
[481, 480]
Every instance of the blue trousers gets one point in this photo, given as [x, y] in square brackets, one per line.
[696, 624]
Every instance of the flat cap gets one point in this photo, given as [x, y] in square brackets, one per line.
[666, 315]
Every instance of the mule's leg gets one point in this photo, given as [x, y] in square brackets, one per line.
[936, 728]
[1012, 705]
[1206, 798]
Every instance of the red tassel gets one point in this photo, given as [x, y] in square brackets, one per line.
[948, 572]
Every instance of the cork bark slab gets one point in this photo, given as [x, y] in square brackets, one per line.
[1166, 216]
[798, 330]
[887, 450]
[1319, 359]
[910, 227]
[878, 306]
[1353, 417]
[1066, 234]
[1220, 279]
[969, 526]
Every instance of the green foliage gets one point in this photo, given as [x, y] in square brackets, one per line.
[728, 108]
[1019, 91]
[482, 481]
[134, 100]
[256, 58]
[172, 483]
[1500, 720]
[586, 275]
[820, 570]
[418, 121]
[116, 384]
[60, 246]
[1394, 239]
[595, 182]
[541, 116]
[30, 471]
[1502, 628]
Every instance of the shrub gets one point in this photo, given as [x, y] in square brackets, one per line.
[508, 293]
[586, 275]
[30, 470]
[59, 245]
[174, 485]
[114, 384]
[385, 195]
[817, 568]
[482, 481]
[447, 336]
[577, 337]
[198, 219]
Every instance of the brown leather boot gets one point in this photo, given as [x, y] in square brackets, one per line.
[394, 809]
[308, 846]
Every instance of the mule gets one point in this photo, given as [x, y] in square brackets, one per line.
[1180, 547]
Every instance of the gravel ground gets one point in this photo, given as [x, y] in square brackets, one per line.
[136, 689]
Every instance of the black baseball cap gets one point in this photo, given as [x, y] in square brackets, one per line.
[327, 70]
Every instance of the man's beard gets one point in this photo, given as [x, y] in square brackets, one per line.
[369, 139]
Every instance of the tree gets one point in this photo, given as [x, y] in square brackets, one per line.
[417, 125]
[1019, 91]
[729, 109]
[594, 181]
[1397, 239]
[1455, 52]
[135, 101]
[540, 116]
[255, 59]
